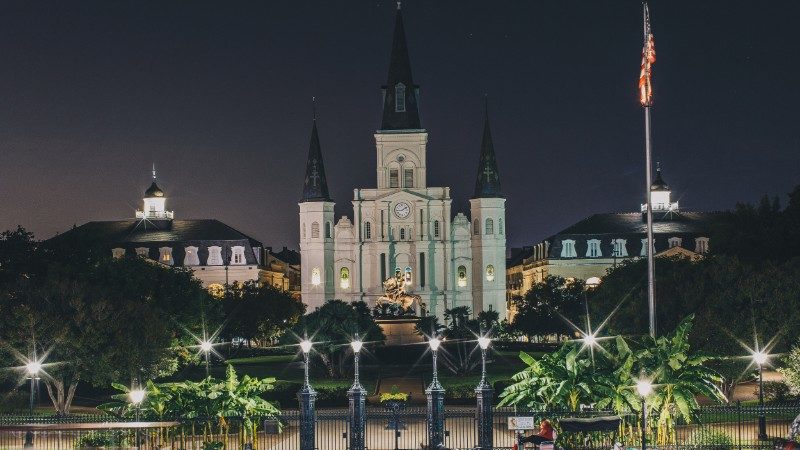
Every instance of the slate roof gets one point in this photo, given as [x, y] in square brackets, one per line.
[153, 191]
[290, 257]
[400, 72]
[487, 183]
[315, 186]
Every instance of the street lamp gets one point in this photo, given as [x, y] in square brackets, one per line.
[483, 395]
[206, 347]
[760, 358]
[435, 394]
[32, 368]
[644, 388]
[357, 397]
[590, 340]
[136, 396]
[307, 397]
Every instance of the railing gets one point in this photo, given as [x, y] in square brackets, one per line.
[385, 430]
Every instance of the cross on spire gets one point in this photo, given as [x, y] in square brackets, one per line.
[487, 184]
[315, 187]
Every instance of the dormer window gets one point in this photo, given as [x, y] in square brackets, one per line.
[237, 255]
[644, 247]
[593, 248]
[191, 258]
[117, 253]
[400, 97]
[214, 256]
[165, 255]
[675, 242]
[620, 249]
[568, 248]
[144, 252]
[701, 245]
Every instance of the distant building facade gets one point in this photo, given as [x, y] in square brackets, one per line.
[589, 248]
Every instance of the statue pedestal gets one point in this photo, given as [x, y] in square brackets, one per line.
[400, 331]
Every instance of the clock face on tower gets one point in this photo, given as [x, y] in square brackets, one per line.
[402, 210]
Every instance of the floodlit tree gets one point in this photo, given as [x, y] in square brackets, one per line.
[260, 313]
[546, 307]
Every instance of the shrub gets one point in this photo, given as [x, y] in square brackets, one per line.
[213, 445]
[777, 391]
[103, 439]
[709, 439]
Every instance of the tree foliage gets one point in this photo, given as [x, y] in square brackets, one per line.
[544, 308]
[259, 313]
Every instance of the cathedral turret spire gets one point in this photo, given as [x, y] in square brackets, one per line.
[400, 105]
[315, 188]
[487, 185]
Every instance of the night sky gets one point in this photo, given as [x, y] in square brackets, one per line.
[218, 96]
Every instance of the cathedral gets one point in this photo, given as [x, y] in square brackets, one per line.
[402, 227]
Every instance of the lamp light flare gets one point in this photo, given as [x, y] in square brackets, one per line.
[590, 340]
[305, 345]
[434, 343]
[484, 342]
[644, 388]
[33, 368]
[206, 346]
[356, 345]
[136, 396]
[760, 358]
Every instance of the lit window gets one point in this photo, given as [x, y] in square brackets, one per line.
[191, 258]
[344, 278]
[675, 242]
[593, 248]
[165, 255]
[314, 230]
[328, 231]
[701, 245]
[214, 256]
[489, 226]
[367, 230]
[117, 252]
[237, 255]
[620, 249]
[568, 248]
[500, 226]
[490, 273]
[407, 276]
[436, 228]
[476, 227]
[315, 277]
[144, 252]
[394, 181]
[408, 178]
[462, 276]
[400, 97]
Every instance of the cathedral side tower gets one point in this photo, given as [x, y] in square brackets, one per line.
[316, 230]
[488, 211]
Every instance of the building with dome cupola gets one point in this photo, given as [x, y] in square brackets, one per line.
[403, 227]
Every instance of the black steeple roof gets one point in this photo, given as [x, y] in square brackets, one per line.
[400, 113]
[315, 188]
[659, 184]
[153, 191]
[487, 184]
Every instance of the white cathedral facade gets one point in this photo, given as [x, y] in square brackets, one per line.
[403, 225]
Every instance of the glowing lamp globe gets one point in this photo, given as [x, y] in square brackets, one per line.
[590, 340]
[305, 345]
[33, 368]
[483, 342]
[434, 343]
[136, 396]
[644, 388]
[760, 358]
[356, 345]
[205, 346]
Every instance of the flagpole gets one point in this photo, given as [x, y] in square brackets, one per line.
[651, 270]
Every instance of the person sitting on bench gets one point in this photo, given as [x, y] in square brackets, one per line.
[545, 434]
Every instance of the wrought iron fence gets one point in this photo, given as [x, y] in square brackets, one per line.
[732, 427]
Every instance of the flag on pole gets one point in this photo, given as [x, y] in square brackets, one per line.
[648, 59]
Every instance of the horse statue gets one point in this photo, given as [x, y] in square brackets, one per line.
[395, 292]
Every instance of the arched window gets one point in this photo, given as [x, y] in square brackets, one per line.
[400, 97]
[476, 225]
[701, 245]
[490, 273]
[620, 249]
[316, 280]
[489, 226]
[568, 248]
[367, 230]
[408, 276]
[500, 226]
[214, 256]
[314, 230]
[328, 232]
[344, 278]
[462, 276]
[436, 228]
[675, 242]
[190, 257]
[402, 234]
[593, 248]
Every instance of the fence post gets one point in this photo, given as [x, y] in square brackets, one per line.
[739, 422]
[356, 396]
[307, 397]
[435, 394]
[484, 394]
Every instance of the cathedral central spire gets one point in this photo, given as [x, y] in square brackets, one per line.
[488, 182]
[400, 102]
[315, 188]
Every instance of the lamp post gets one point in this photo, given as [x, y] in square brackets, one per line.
[307, 396]
[435, 394]
[136, 396]
[484, 394]
[206, 347]
[32, 368]
[644, 388]
[357, 396]
[760, 358]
